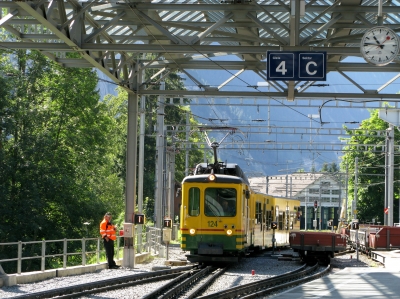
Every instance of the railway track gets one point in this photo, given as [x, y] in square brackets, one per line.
[186, 282]
[190, 285]
[75, 291]
[269, 285]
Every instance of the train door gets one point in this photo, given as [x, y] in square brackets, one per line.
[264, 224]
[246, 217]
[258, 225]
[190, 214]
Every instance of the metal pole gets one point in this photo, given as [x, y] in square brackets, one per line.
[131, 158]
[380, 15]
[319, 206]
[187, 144]
[340, 202]
[347, 186]
[168, 213]
[286, 185]
[172, 185]
[160, 162]
[141, 167]
[390, 175]
[354, 211]
[305, 211]
[385, 216]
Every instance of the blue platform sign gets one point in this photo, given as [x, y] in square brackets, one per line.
[296, 66]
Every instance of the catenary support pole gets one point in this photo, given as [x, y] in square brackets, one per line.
[391, 174]
[130, 195]
[141, 166]
[160, 160]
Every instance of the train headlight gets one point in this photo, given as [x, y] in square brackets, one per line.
[229, 232]
[192, 231]
[211, 178]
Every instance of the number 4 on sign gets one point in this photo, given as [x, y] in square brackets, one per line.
[281, 68]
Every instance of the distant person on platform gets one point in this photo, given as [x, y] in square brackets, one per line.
[108, 233]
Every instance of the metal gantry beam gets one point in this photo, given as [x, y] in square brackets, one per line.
[112, 35]
[292, 146]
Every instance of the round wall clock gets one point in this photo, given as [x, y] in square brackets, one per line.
[379, 45]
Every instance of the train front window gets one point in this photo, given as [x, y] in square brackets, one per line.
[194, 201]
[220, 202]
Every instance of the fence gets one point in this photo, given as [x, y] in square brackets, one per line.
[149, 241]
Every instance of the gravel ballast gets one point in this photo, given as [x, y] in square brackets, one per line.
[248, 270]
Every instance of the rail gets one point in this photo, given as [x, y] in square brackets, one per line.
[148, 241]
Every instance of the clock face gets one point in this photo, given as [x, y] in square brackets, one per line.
[379, 45]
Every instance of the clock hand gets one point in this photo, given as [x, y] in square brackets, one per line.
[378, 43]
[372, 44]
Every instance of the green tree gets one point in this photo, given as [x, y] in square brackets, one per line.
[371, 170]
[332, 167]
[55, 154]
[173, 115]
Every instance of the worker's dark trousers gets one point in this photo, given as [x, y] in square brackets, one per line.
[109, 247]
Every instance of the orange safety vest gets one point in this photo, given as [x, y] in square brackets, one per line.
[107, 230]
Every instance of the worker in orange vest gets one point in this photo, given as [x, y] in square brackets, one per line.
[108, 233]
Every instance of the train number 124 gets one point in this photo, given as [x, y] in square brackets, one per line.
[212, 223]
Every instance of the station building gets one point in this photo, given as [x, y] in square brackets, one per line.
[322, 195]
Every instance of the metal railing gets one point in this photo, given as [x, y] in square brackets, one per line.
[148, 241]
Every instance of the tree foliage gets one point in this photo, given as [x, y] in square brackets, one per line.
[371, 169]
[332, 167]
[55, 170]
[174, 116]
[63, 149]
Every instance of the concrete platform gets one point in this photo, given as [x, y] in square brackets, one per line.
[350, 283]
[28, 277]
[391, 259]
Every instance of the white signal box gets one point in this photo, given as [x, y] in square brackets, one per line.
[129, 230]
[167, 234]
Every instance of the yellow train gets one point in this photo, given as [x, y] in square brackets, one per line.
[222, 219]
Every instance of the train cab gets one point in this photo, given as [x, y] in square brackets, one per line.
[214, 214]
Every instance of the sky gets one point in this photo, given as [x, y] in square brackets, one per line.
[260, 123]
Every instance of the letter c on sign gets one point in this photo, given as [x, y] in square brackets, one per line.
[308, 68]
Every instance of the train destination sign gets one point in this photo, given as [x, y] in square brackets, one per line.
[296, 66]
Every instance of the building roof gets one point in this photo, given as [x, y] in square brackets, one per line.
[289, 185]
